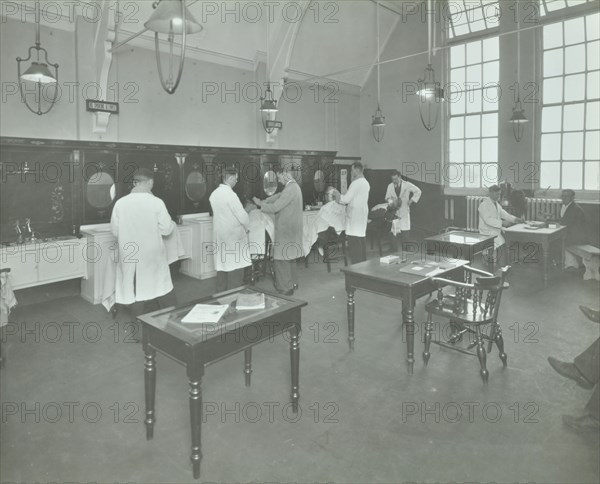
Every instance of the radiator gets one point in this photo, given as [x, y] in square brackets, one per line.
[473, 212]
[542, 208]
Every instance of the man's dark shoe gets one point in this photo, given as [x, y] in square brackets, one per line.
[592, 315]
[587, 423]
[569, 370]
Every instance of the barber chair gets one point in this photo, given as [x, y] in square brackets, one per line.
[262, 263]
[471, 306]
[379, 227]
[334, 247]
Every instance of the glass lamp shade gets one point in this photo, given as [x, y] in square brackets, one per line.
[378, 125]
[428, 87]
[268, 106]
[518, 117]
[167, 18]
[518, 121]
[38, 72]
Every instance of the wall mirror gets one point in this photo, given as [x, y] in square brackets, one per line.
[195, 186]
[319, 181]
[100, 191]
[270, 183]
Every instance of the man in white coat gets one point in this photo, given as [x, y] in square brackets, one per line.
[139, 221]
[230, 226]
[402, 194]
[491, 215]
[356, 200]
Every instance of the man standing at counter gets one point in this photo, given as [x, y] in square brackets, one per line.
[287, 246]
[357, 213]
[230, 226]
[139, 221]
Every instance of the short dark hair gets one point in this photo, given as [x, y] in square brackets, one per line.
[569, 192]
[396, 173]
[494, 188]
[357, 165]
[143, 174]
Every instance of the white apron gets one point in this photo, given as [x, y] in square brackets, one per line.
[402, 223]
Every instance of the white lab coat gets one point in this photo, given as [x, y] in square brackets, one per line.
[491, 215]
[357, 210]
[140, 221]
[402, 223]
[230, 222]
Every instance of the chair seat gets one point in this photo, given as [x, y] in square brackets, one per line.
[464, 314]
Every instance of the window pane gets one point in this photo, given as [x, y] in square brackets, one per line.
[474, 101]
[491, 49]
[491, 95]
[550, 175]
[553, 90]
[454, 175]
[592, 116]
[489, 125]
[575, 88]
[474, 76]
[593, 26]
[461, 29]
[592, 175]
[457, 56]
[489, 150]
[553, 63]
[593, 85]
[593, 55]
[572, 175]
[575, 59]
[473, 151]
[551, 119]
[473, 126]
[550, 147]
[472, 176]
[592, 145]
[573, 117]
[553, 35]
[491, 73]
[457, 77]
[574, 31]
[457, 151]
[572, 146]
[473, 52]
[457, 128]
[457, 103]
[553, 5]
[489, 174]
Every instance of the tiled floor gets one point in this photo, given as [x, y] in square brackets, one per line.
[73, 402]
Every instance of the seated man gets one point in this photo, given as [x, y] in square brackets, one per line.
[572, 216]
[491, 217]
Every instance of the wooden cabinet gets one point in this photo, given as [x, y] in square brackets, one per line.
[201, 265]
[36, 263]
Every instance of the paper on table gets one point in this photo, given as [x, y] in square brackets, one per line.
[205, 313]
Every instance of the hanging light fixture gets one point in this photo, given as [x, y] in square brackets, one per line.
[518, 118]
[268, 105]
[378, 119]
[430, 93]
[39, 71]
[171, 17]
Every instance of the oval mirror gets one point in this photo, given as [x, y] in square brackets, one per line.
[100, 191]
[270, 183]
[195, 186]
[319, 180]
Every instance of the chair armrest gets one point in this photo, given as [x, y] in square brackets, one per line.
[478, 271]
[440, 281]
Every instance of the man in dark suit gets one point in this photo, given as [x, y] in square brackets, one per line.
[572, 216]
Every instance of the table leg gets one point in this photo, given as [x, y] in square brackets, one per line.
[295, 361]
[350, 306]
[196, 423]
[149, 389]
[409, 323]
[248, 364]
[545, 257]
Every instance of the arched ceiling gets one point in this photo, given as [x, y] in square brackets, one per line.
[307, 38]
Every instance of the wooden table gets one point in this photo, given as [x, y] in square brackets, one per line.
[198, 345]
[459, 244]
[387, 280]
[545, 237]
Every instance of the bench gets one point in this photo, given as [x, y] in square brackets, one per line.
[591, 259]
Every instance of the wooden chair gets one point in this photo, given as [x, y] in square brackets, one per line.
[471, 306]
[261, 263]
[331, 247]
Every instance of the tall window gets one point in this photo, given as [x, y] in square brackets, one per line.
[469, 16]
[473, 105]
[570, 128]
[548, 6]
